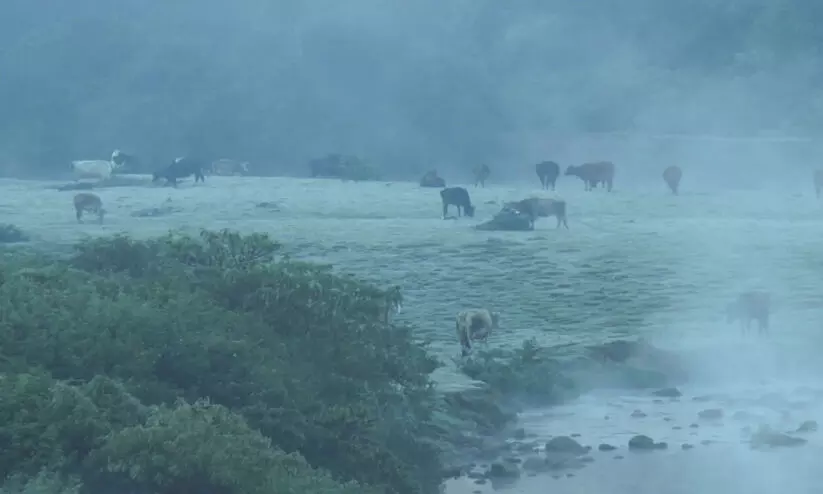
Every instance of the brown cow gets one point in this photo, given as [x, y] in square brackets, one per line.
[672, 176]
[481, 173]
[750, 306]
[475, 325]
[88, 202]
[547, 172]
[594, 173]
[536, 207]
[818, 182]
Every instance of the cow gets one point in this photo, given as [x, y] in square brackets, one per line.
[433, 180]
[180, 168]
[547, 172]
[594, 173]
[818, 182]
[228, 167]
[99, 169]
[475, 325]
[536, 207]
[459, 197]
[122, 160]
[672, 176]
[481, 173]
[88, 202]
[750, 306]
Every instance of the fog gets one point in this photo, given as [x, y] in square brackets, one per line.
[411, 86]
[729, 91]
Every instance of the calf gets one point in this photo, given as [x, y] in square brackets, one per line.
[818, 182]
[99, 169]
[536, 207]
[475, 325]
[457, 196]
[547, 172]
[227, 167]
[88, 202]
[672, 176]
[750, 306]
[180, 168]
[432, 179]
[481, 173]
[594, 173]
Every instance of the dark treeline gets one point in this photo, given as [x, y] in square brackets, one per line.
[406, 85]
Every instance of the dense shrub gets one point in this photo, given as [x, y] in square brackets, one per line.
[107, 356]
[535, 375]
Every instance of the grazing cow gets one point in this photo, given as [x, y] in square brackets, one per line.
[457, 196]
[750, 306]
[481, 173]
[181, 168]
[88, 202]
[99, 169]
[818, 182]
[672, 176]
[475, 325]
[228, 167]
[123, 160]
[536, 207]
[594, 173]
[547, 172]
[433, 180]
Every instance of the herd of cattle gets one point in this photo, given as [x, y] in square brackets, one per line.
[472, 325]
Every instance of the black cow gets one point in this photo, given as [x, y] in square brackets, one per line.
[181, 168]
[547, 172]
[457, 196]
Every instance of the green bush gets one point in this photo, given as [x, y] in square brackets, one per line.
[300, 354]
[535, 375]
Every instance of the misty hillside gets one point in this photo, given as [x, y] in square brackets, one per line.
[409, 85]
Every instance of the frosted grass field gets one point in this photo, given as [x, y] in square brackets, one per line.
[638, 261]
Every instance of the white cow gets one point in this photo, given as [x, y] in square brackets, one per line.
[99, 169]
[229, 167]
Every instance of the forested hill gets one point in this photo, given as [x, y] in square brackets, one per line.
[406, 84]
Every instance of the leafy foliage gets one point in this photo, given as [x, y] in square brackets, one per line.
[286, 352]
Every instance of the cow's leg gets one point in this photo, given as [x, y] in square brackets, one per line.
[609, 185]
[445, 209]
[459, 211]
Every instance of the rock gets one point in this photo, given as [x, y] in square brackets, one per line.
[668, 393]
[638, 414]
[807, 426]
[519, 433]
[765, 437]
[711, 414]
[641, 442]
[565, 444]
[507, 220]
[536, 464]
[686, 446]
[503, 470]
[606, 447]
